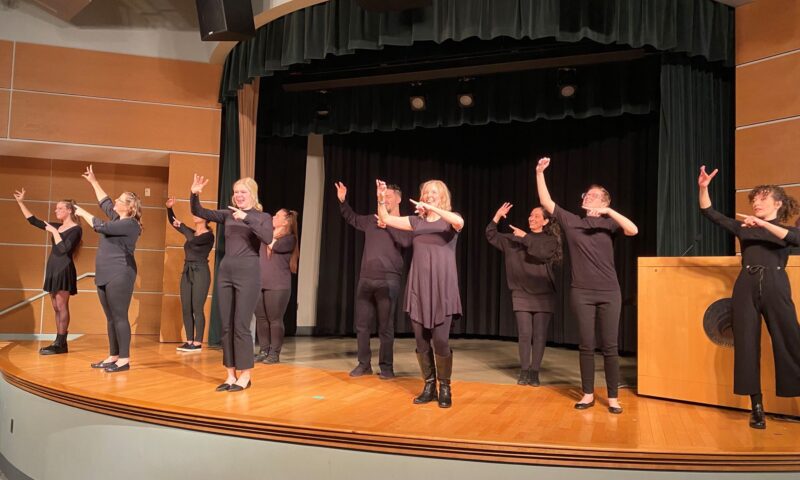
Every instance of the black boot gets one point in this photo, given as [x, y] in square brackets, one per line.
[523, 378]
[58, 346]
[428, 370]
[757, 418]
[444, 368]
[533, 378]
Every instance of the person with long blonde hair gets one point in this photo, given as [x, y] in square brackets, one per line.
[432, 298]
[279, 260]
[61, 278]
[115, 267]
[239, 274]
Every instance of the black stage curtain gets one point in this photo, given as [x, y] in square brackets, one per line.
[281, 176]
[339, 27]
[484, 166]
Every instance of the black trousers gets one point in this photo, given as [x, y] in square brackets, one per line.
[765, 291]
[195, 281]
[437, 337]
[238, 290]
[603, 307]
[376, 299]
[270, 309]
[532, 330]
[115, 298]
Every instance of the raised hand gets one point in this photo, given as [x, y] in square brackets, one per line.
[502, 212]
[238, 214]
[544, 162]
[198, 183]
[596, 211]
[380, 188]
[341, 191]
[517, 232]
[19, 195]
[170, 202]
[89, 175]
[705, 178]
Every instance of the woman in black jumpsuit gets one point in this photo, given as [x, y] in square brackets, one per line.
[529, 259]
[239, 274]
[762, 289]
[61, 279]
[195, 277]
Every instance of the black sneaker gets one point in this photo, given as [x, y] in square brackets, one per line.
[195, 348]
[261, 356]
[188, 347]
[183, 347]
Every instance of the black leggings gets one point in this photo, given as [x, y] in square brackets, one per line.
[269, 319]
[115, 297]
[376, 299]
[604, 306]
[532, 326]
[238, 289]
[438, 337]
[195, 280]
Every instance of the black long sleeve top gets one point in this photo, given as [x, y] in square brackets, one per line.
[197, 247]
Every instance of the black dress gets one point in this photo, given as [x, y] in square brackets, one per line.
[60, 274]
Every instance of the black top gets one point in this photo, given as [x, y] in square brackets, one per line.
[118, 238]
[591, 249]
[381, 259]
[528, 259]
[60, 271]
[242, 238]
[197, 247]
[275, 271]
[759, 247]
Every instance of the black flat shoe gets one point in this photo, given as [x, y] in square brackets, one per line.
[116, 368]
[615, 410]
[224, 387]
[757, 418]
[102, 364]
[584, 406]
[239, 388]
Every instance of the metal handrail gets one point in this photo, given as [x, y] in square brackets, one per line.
[37, 296]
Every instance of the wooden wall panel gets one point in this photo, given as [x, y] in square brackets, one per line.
[768, 154]
[6, 58]
[25, 319]
[765, 28]
[145, 314]
[150, 266]
[23, 267]
[48, 68]
[181, 171]
[767, 90]
[70, 119]
[68, 182]
[155, 224]
[5, 98]
[137, 178]
[743, 204]
[33, 174]
[16, 228]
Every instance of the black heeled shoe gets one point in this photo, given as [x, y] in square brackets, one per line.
[757, 418]
[239, 388]
[113, 368]
[584, 406]
[533, 378]
[524, 378]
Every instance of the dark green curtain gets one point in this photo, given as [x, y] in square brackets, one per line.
[228, 173]
[697, 125]
[340, 27]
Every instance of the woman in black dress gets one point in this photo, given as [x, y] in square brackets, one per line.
[279, 260]
[239, 274]
[529, 259]
[60, 279]
[195, 277]
[115, 267]
[595, 295]
[432, 297]
[762, 289]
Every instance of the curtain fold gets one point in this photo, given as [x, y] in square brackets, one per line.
[247, 100]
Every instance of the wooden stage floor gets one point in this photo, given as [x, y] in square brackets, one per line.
[491, 422]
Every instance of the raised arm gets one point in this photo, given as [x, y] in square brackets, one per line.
[707, 210]
[541, 185]
[790, 236]
[492, 235]
[86, 216]
[197, 208]
[628, 227]
[702, 182]
[187, 232]
[98, 191]
[400, 223]
[19, 196]
[454, 219]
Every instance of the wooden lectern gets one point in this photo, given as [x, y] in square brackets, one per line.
[676, 358]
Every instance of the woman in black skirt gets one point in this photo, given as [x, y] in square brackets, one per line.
[115, 267]
[195, 277]
[432, 297]
[529, 259]
[279, 260]
[239, 275]
[762, 289]
[60, 279]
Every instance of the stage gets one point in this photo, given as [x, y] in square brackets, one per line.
[497, 422]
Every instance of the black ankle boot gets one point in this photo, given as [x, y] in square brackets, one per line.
[58, 346]
[523, 377]
[533, 378]
[444, 368]
[757, 418]
[428, 370]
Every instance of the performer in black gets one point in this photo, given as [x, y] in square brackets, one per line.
[195, 276]
[529, 259]
[432, 297]
[60, 278]
[279, 260]
[115, 267]
[762, 289]
[378, 281]
[595, 291]
[239, 275]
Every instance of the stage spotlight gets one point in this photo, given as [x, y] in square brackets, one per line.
[321, 105]
[567, 82]
[465, 97]
[417, 102]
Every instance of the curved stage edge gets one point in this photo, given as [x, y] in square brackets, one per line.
[499, 424]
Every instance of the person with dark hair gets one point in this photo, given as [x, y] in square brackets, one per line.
[432, 297]
[195, 276]
[761, 289]
[239, 275]
[595, 294]
[378, 280]
[279, 260]
[529, 259]
[115, 267]
[60, 278]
